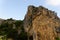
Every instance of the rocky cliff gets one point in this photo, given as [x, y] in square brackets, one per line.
[41, 23]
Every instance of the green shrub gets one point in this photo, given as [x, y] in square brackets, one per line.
[57, 38]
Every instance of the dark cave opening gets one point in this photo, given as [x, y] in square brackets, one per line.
[31, 38]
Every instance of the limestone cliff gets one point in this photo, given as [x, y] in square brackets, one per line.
[41, 23]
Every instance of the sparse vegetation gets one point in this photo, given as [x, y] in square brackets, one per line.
[57, 38]
[6, 28]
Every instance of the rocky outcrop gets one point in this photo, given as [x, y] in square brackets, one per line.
[41, 23]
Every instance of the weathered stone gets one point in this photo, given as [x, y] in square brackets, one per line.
[41, 23]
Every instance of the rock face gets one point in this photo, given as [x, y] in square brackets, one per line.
[41, 23]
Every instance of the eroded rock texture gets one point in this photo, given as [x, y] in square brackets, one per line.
[41, 23]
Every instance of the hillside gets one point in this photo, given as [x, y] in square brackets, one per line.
[11, 29]
[39, 23]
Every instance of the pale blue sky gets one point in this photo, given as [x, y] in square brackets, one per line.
[17, 9]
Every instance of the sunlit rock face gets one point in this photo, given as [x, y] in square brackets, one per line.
[41, 23]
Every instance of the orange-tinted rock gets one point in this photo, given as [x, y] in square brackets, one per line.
[41, 23]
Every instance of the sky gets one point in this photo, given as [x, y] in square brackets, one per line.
[17, 9]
